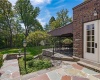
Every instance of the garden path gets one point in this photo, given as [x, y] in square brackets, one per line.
[66, 71]
[10, 70]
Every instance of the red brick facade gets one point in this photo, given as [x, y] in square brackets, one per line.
[81, 14]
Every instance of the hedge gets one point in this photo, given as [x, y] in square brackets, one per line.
[1, 60]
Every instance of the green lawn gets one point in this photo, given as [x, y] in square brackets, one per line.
[32, 50]
[8, 51]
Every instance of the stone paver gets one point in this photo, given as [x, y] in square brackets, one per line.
[78, 78]
[77, 66]
[10, 70]
[66, 77]
[53, 75]
[41, 77]
[69, 72]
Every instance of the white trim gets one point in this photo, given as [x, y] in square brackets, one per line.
[91, 56]
[99, 38]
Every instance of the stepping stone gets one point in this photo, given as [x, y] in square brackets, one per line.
[66, 77]
[61, 72]
[77, 66]
[75, 72]
[78, 78]
[41, 77]
[69, 67]
[54, 76]
[16, 74]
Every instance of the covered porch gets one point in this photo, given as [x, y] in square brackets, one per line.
[62, 33]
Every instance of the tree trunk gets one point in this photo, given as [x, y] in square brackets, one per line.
[11, 38]
[6, 44]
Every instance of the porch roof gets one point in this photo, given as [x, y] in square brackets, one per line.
[62, 31]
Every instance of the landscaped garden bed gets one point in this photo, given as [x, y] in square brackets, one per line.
[1, 60]
[33, 65]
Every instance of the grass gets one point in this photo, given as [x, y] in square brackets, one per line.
[35, 50]
[8, 51]
[33, 65]
[32, 50]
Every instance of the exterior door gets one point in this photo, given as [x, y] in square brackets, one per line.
[99, 39]
[91, 39]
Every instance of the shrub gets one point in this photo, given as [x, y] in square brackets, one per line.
[67, 41]
[33, 65]
[1, 60]
[30, 63]
[28, 57]
[41, 64]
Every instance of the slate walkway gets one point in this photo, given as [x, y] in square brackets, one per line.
[69, 72]
[10, 70]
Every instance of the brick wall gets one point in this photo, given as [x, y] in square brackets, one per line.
[81, 14]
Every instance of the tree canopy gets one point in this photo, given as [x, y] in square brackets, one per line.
[36, 37]
[51, 20]
[28, 14]
[61, 20]
[10, 29]
[6, 19]
[63, 17]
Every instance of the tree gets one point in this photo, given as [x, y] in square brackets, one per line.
[55, 24]
[47, 27]
[37, 26]
[6, 14]
[61, 20]
[51, 20]
[28, 14]
[18, 35]
[36, 37]
[63, 17]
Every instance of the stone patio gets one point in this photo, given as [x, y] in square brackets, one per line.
[69, 72]
[65, 71]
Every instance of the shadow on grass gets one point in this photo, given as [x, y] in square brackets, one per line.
[31, 50]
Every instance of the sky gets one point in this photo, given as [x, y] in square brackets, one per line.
[49, 8]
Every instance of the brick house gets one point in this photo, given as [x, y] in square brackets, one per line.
[86, 34]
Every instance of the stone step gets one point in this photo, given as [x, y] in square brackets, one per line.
[90, 65]
[90, 62]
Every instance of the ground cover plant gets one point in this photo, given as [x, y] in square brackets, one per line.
[33, 65]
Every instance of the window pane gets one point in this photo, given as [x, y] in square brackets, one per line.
[92, 44]
[88, 38]
[92, 38]
[88, 27]
[92, 26]
[88, 32]
[92, 32]
[88, 50]
[92, 50]
[88, 44]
